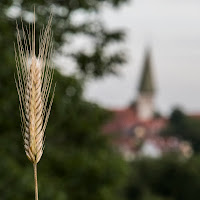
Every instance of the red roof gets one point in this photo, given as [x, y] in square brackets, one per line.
[130, 133]
[125, 119]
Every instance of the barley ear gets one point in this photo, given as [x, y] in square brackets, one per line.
[33, 83]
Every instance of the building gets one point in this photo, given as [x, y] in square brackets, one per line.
[135, 129]
[146, 91]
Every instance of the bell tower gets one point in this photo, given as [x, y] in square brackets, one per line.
[146, 90]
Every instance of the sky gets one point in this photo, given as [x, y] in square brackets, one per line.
[172, 29]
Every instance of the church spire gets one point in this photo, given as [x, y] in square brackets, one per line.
[146, 82]
[145, 101]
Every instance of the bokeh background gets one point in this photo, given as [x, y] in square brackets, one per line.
[114, 133]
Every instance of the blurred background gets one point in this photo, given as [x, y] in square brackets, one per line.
[125, 122]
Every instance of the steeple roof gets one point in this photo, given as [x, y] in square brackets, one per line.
[146, 81]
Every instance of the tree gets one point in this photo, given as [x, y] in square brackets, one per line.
[184, 127]
[96, 62]
[166, 178]
[78, 161]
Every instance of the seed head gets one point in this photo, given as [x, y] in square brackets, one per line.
[33, 82]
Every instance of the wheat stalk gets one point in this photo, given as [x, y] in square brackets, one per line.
[33, 82]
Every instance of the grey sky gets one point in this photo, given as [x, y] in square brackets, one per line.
[172, 28]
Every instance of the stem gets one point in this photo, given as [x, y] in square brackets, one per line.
[35, 178]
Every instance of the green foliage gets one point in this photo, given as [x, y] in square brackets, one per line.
[184, 127]
[98, 61]
[78, 161]
[167, 178]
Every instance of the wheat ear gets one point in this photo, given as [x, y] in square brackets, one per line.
[33, 82]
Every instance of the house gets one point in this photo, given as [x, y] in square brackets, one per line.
[135, 129]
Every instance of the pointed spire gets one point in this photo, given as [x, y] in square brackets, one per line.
[146, 82]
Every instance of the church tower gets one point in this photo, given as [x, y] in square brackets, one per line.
[146, 90]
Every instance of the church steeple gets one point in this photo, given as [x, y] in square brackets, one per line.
[146, 89]
[146, 82]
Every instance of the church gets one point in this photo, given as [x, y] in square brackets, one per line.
[135, 129]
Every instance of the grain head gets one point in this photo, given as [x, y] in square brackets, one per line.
[33, 82]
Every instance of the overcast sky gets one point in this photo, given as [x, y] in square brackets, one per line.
[172, 28]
